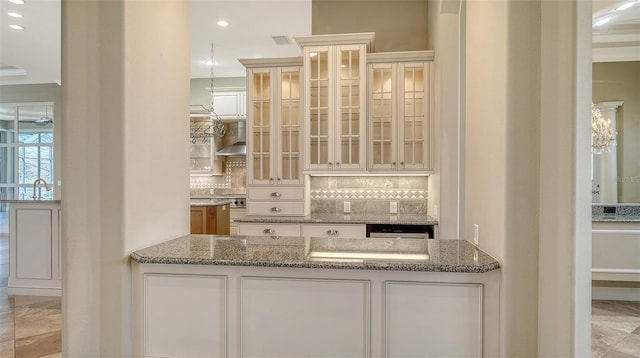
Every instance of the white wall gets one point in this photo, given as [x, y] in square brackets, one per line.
[126, 93]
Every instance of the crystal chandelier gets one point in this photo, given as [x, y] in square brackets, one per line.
[203, 130]
[603, 135]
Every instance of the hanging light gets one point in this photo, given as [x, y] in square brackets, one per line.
[602, 133]
[203, 130]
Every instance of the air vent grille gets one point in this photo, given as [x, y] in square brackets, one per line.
[281, 40]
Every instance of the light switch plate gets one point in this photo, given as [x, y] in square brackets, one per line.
[347, 207]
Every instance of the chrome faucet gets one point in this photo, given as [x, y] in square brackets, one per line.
[46, 186]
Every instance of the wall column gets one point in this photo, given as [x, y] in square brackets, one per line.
[125, 90]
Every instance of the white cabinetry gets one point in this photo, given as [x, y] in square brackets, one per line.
[335, 105]
[274, 143]
[616, 251]
[401, 133]
[35, 248]
[233, 311]
[334, 230]
[268, 229]
[230, 104]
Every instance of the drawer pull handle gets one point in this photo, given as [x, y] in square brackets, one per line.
[333, 232]
[275, 194]
[269, 231]
[276, 209]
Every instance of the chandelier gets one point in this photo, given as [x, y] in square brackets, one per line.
[603, 135]
[204, 129]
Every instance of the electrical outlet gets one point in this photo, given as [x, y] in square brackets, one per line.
[347, 207]
[393, 207]
[476, 233]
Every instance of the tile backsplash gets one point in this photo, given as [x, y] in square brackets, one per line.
[232, 181]
[369, 195]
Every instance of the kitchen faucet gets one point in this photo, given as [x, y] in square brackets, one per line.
[46, 186]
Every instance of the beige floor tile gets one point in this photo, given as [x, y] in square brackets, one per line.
[6, 326]
[629, 345]
[605, 336]
[616, 354]
[37, 319]
[623, 326]
[6, 349]
[598, 349]
[55, 355]
[30, 300]
[39, 346]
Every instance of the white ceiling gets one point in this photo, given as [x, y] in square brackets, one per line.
[36, 49]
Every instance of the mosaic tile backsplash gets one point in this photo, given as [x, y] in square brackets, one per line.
[232, 181]
[369, 195]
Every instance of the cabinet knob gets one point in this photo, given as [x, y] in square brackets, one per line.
[337, 164]
[276, 209]
[332, 232]
[275, 194]
[279, 179]
[402, 163]
[393, 163]
[271, 180]
[269, 231]
[330, 164]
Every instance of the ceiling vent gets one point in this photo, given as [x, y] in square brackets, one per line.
[281, 40]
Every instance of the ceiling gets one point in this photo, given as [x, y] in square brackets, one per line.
[32, 55]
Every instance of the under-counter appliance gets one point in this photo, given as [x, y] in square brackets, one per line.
[401, 231]
[237, 209]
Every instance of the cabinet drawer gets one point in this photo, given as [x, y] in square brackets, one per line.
[281, 208]
[269, 229]
[334, 230]
[275, 193]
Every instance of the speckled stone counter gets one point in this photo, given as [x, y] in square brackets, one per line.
[407, 219]
[40, 201]
[208, 202]
[323, 253]
[615, 213]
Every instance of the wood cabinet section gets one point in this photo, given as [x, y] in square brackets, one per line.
[212, 220]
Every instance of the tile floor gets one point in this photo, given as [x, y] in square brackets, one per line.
[31, 326]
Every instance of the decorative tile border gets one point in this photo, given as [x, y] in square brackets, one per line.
[380, 194]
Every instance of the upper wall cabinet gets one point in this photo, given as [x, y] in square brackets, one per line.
[401, 134]
[230, 104]
[335, 101]
[274, 122]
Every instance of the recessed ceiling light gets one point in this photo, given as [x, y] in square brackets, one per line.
[625, 6]
[603, 21]
[222, 23]
[14, 14]
[16, 27]
[210, 63]
[19, 2]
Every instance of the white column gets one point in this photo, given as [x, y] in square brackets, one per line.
[125, 80]
[608, 161]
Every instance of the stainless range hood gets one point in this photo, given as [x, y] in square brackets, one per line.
[240, 146]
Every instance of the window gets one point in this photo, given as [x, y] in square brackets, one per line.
[26, 150]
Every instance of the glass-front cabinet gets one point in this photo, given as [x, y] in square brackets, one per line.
[400, 112]
[335, 112]
[274, 123]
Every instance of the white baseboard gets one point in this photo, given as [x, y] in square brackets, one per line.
[23, 291]
[615, 293]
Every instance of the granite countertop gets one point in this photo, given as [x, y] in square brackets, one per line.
[321, 253]
[208, 202]
[408, 219]
[31, 201]
[618, 212]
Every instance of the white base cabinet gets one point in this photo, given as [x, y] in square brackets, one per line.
[616, 251]
[35, 248]
[233, 311]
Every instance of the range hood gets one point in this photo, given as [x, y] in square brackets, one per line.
[240, 146]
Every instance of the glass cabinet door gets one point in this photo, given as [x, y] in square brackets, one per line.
[382, 107]
[317, 63]
[413, 141]
[290, 118]
[261, 127]
[350, 116]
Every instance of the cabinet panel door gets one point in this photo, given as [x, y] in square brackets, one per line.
[382, 116]
[227, 104]
[350, 107]
[334, 230]
[318, 73]
[418, 326]
[198, 219]
[259, 147]
[33, 252]
[414, 124]
[305, 318]
[185, 316]
[289, 143]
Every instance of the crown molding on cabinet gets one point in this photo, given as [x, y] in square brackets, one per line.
[338, 39]
[271, 62]
[406, 56]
